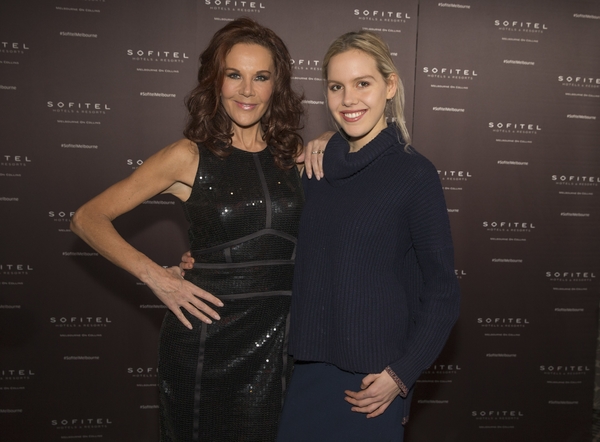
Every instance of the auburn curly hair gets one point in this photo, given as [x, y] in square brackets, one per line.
[209, 124]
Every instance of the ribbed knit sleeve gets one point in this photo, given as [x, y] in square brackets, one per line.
[435, 305]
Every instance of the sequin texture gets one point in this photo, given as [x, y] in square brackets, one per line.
[225, 381]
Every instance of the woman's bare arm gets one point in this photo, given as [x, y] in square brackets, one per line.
[171, 170]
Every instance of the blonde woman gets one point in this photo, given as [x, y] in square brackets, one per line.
[374, 295]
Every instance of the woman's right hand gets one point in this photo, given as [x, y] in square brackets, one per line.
[177, 293]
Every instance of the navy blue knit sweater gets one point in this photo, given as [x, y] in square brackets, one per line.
[374, 280]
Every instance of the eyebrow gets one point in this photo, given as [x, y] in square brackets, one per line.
[264, 71]
[354, 79]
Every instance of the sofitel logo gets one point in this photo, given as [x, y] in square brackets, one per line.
[235, 5]
[520, 26]
[565, 370]
[78, 107]
[443, 369]
[142, 372]
[497, 415]
[575, 180]
[306, 64]
[16, 375]
[134, 163]
[515, 128]
[455, 73]
[577, 81]
[96, 422]
[376, 15]
[61, 215]
[571, 276]
[503, 322]
[74, 321]
[153, 55]
[15, 269]
[15, 160]
[508, 226]
[454, 175]
[7, 47]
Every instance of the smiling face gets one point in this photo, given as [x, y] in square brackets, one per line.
[357, 94]
[248, 84]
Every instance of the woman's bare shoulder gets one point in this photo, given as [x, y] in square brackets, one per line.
[181, 150]
[175, 158]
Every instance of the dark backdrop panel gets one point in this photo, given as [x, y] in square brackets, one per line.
[92, 90]
[511, 134]
[503, 97]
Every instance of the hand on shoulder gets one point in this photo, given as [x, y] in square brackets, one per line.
[313, 155]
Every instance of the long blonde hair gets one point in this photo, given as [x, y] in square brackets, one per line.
[372, 45]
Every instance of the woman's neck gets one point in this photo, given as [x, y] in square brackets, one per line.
[248, 138]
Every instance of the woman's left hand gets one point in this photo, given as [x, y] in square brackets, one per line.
[377, 393]
[187, 262]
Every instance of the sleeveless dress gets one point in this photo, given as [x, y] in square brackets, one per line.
[225, 381]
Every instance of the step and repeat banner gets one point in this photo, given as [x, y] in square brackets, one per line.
[507, 106]
[502, 96]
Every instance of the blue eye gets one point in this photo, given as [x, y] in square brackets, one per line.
[262, 78]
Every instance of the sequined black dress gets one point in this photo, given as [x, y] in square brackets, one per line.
[225, 381]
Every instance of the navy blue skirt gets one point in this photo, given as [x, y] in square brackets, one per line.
[315, 409]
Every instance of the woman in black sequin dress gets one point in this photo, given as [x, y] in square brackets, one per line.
[222, 357]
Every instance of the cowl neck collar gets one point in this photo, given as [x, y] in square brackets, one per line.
[341, 166]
